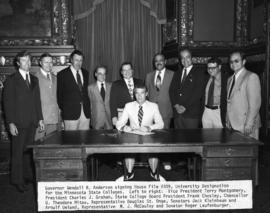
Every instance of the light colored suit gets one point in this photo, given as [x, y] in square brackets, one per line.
[100, 110]
[161, 97]
[244, 103]
[151, 116]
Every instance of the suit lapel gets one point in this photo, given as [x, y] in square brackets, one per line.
[97, 92]
[239, 81]
[107, 91]
[21, 80]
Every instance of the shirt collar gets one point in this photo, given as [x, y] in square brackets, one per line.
[45, 73]
[73, 69]
[99, 84]
[127, 80]
[188, 68]
[238, 73]
[23, 73]
[161, 71]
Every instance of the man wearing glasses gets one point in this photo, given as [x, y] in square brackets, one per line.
[99, 94]
[243, 98]
[214, 115]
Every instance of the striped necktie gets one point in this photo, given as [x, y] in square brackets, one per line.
[140, 115]
[232, 85]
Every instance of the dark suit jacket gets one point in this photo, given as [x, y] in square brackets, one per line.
[22, 105]
[69, 97]
[223, 96]
[120, 95]
[189, 93]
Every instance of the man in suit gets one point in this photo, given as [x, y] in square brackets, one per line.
[47, 83]
[72, 96]
[244, 98]
[143, 116]
[122, 90]
[158, 83]
[23, 114]
[99, 94]
[214, 115]
[186, 93]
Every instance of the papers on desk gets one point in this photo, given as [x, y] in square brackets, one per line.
[138, 132]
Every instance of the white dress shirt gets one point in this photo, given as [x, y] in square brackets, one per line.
[162, 72]
[151, 116]
[74, 72]
[99, 85]
[188, 70]
[23, 73]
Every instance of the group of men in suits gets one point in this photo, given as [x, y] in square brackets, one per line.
[188, 96]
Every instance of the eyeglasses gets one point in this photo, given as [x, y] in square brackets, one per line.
[235, 61]
[212, 68]
[101, 73]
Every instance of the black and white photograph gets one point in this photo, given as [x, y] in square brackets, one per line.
[134, 106]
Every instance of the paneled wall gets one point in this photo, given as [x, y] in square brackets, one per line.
[50, 31]
[216, 28]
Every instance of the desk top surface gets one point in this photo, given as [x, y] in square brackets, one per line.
[189, 137]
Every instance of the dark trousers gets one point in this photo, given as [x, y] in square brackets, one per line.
[21, 158]
[181, 122]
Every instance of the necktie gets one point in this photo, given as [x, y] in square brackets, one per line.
[79, 80]
[232, 85]
[48, 76]
[210, 100]
[27, 81]
[140, 115]
[158, 81]
[102, 91]
[184, 75]
[130, 88]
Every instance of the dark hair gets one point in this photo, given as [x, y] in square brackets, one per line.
[214, 60]
[140, 86]
[75, 52]
[126, 63]
[20, 55]
[100, 66]
[241, 53]
[44, 55]
[185, 49]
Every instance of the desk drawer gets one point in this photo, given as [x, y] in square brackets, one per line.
[228, 174]
[60, 164]
[69, 152]
[230, 151]
[60, 175]
[228, 162]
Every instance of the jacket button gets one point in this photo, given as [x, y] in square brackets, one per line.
[180, 94]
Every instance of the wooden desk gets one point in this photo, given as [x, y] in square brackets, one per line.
[225, 155]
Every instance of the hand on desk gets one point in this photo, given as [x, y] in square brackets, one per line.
[142, 129]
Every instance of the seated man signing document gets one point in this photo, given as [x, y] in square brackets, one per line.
[143, 116]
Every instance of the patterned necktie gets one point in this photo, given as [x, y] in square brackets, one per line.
[184, 75]
[140, 115]
[27, 81]
[210, 100]
[232, 85]
[79, 80]
[130, 88]
[102, 91]
[158, 81]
